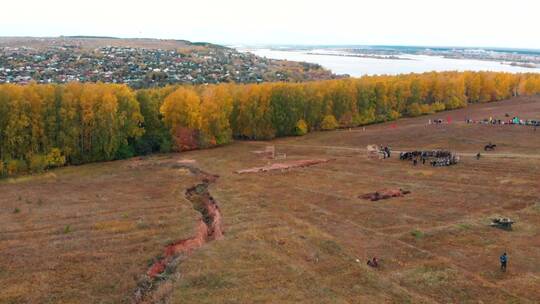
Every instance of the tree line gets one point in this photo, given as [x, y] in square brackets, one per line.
[44, 126]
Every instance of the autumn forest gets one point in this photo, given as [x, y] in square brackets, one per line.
[45, 126]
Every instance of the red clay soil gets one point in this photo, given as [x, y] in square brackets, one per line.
[210, 227]
[284, 166]
[182, 246]
[384, 194]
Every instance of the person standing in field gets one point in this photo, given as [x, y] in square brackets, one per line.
[504, 260]
[387, 151]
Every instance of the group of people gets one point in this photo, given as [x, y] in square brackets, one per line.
[513, 121]
[436, 158]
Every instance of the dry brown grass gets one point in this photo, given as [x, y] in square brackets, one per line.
[291, 236]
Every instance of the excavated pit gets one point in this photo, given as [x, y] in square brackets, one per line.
[209, 228]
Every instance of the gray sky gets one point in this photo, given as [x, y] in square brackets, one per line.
[502, 23]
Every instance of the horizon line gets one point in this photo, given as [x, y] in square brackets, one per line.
[508, 48]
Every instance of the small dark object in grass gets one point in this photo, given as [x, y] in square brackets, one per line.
[417, 234]
[384, 194]
[503, 223]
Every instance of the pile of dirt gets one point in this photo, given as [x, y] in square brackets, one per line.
[384, 194]
[284, 166]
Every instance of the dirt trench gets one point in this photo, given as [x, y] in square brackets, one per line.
[151, 288]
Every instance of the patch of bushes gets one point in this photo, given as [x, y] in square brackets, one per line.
[393, 115]
[329, 123]
[16, 166]
[301, 128]
[438, 107]
[417, 109]
[364, 117]
[55, 158]
[37, 163]
[455, 103]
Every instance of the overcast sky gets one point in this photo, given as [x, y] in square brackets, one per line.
[500, 23]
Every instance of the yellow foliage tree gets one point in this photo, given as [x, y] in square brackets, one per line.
[181, 112]
[329, 123]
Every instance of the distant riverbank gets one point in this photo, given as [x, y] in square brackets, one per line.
[387, 57]
[357, 66]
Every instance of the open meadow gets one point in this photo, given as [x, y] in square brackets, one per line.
[90, 233]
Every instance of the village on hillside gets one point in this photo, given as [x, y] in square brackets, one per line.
[142, 67]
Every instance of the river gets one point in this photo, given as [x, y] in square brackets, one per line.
[360, 66]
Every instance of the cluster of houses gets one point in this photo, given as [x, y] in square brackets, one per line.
[140, 67]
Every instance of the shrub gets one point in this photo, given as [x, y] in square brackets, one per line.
[165, 145]
[365, 117]
[301, 128]
[455, 103]
[426, 109]
[37, 163]
[438, 107]
[414, 109]
[393, 115]
[125, 151]
[329, 123]
[417, 234]
[2, 168]
[16, 166]
[55, 158]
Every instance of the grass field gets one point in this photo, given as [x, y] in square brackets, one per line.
[87, 234]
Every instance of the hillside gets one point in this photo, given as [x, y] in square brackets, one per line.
[91, 233]
[140, 62]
